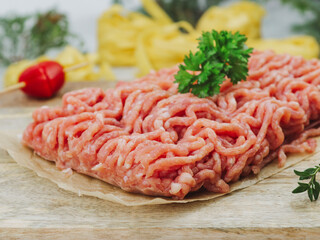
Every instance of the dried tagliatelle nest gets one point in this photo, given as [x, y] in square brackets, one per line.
[150, 43]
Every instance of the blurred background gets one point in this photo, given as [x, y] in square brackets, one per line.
[126, 39]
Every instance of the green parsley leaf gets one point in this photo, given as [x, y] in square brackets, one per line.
[220, 55]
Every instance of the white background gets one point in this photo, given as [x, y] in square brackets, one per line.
[83, 16]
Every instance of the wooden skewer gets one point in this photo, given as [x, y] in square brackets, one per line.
[23, 84]
[13, 88]
[75, 67]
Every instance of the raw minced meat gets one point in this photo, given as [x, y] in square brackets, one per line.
[145, 137]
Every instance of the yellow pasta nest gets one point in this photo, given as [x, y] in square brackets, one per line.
[305, 46]
[244, 17]
[150, 43]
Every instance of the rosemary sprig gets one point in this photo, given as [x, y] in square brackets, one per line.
[310, 9]
[30, 36]
[313, 187]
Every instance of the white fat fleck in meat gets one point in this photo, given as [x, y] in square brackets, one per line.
[68, 133]
[97, 167]
[49, 138]
[127, 165]
[175, 188]
[69, 155]
[257, 158]
[139, 175]
[231, 161]
[140, 101]
[186, 178]
[130, 144]
[120, 161]
[121, 145]
[70, 107]
[125, 179]
[99, 117]
[165, 115]
[163, 110]
[44, 106]
[158, 123]
[265, 152]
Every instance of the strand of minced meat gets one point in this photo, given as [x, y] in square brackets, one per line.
[145, 137]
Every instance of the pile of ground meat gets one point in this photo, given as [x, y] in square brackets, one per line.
[145, 137]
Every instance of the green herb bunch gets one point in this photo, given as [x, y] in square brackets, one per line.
[220, 55]
[182, 10]
[311, 7]
[313, 187]
[27, 37]
[186, 10]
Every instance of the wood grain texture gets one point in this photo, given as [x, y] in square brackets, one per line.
[160, 234]
[35, 208]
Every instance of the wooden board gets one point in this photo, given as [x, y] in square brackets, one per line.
[35, 208]
[18, 99]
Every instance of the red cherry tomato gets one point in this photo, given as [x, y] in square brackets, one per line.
[43, 80]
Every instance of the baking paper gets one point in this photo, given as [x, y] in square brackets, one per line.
[85, 185]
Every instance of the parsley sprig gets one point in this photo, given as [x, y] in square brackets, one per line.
[219, 55]
[313, 187]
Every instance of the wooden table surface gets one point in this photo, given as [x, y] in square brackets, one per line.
[35, 208]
